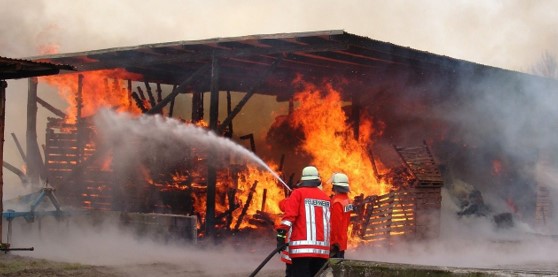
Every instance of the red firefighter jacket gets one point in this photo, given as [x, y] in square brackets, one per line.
[285, 252]
[341, 209]
[307, 213]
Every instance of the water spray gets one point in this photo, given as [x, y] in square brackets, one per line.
[260, 162]
[119, 125]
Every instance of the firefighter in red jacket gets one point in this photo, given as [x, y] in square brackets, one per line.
[341, 209]
[305, 225]
[284, 253]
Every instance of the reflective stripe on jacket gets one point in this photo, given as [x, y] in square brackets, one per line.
[307, 213]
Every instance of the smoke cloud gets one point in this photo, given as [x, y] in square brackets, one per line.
[483, 121]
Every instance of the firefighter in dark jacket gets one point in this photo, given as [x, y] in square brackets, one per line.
[341, 209]
[305, 225]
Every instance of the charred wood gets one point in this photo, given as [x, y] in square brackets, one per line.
[245, 208]
[178, 89]
[377, 176]
[263, 200]
[231, 195]
[249, 94]
[229, 129]
[51, 108]
[159, 93]
[19, 148]
[171, 109]
[197, 106]
[139, 102]
[214, 95]
[281, 162]
[16, 171]
[35, 165]
[129, 92]
[150, 94]
[141, 93]
[252, 142]
[261, 219]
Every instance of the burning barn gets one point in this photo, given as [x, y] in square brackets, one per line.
[401, 123]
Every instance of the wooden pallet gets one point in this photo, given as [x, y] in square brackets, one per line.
[421, 164]
[77, 183]
[408, 214]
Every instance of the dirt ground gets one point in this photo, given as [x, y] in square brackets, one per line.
[15, 265]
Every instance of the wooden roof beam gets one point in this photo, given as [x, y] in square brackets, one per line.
[178, 89]
[249, 94]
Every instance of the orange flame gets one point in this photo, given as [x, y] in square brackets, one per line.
[266, 181]
[48, 48]
[97, 91]
[330, 140]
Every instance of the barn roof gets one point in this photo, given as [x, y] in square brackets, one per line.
[322, 55]
[19, 68]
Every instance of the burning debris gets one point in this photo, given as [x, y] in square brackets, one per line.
[93, 167]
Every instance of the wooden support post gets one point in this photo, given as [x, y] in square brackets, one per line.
[35, 164]
[171, 109]
[229, 110]
[214, 98]
[212, 155]
[249, 94]
[79, 120]
[291, 105]
[197, 106]
[51, 108]
[130, 93]
[159, 93]
[3, 86]
[150, 94]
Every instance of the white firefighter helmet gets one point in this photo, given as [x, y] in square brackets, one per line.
[340, 182]
[310, 173]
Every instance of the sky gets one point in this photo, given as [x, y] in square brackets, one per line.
[510, 34]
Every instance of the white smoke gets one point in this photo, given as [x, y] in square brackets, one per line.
[105, 242]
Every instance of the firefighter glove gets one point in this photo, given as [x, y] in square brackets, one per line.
[281, 236]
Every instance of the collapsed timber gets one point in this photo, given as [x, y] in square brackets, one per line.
[410, 210]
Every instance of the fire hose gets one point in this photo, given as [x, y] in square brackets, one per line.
[276, 250]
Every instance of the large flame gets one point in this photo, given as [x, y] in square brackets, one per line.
[330, 141]
[266, 181]
[101, 88]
